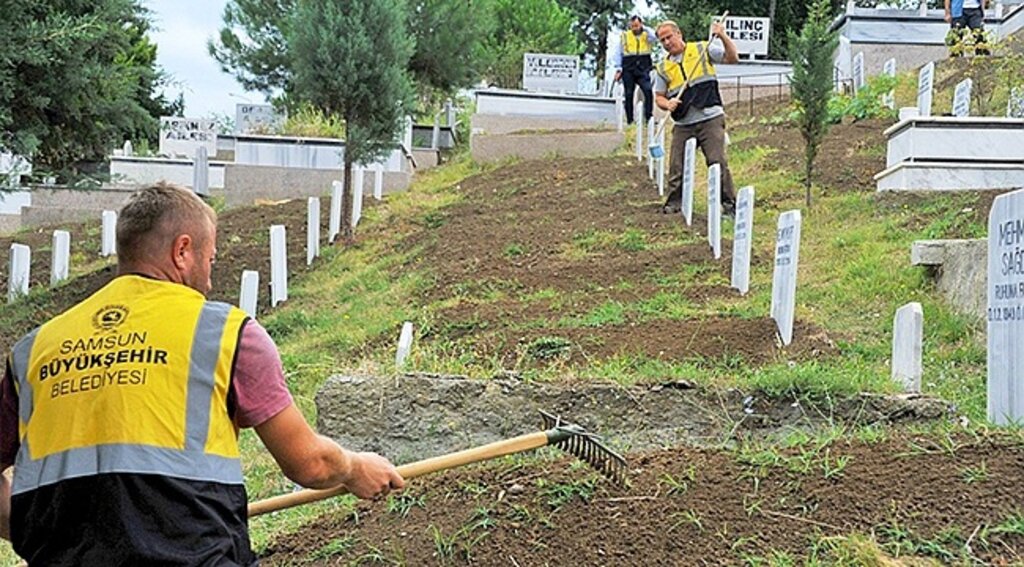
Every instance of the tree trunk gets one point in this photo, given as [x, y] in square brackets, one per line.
[347, 232]
[808, 168]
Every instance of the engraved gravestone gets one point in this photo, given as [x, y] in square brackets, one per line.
[1006, 309]
[787, 254]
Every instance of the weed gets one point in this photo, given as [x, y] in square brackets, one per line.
[514, 250]
[632, 240]
[337, 546]
[403, 503]
[833, 468]
[691, 517]
[560, 494]
[972, 475]
[546, 348]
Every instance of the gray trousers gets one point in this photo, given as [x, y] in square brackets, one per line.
[710, 136]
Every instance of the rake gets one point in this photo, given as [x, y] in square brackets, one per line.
[655, 148]
[567, 436]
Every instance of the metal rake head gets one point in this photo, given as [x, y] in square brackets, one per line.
[585, 446]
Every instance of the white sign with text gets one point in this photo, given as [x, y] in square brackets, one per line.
[255, 118]
[787, 255]
[889, 70]
[689, 165]
[181, 136]
[924, 89]
[907, 336]
[750, 34]
[962, 99]
[1006, 309]
[742, 240]
[548, 72]
[715, 209]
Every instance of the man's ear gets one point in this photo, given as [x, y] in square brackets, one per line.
[181, 250]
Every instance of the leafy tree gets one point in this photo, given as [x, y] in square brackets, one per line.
[449, 37]
[811, 51]
[595, 19]
[253, 46]
[524, 26]
[76, 78]
[359, 74]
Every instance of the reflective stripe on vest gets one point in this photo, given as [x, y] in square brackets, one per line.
[633, 44]
[134, 379]
[693, 67]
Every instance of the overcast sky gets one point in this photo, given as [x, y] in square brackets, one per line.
[182, 28]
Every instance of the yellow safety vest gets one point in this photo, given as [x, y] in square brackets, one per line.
[692, 67]
[635, 44]
[134, 379]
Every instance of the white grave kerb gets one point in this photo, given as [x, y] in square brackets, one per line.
[312, 229]
[108, 245]
[787, 255]
[278, 265]
[1006, 309]
[18, 271]
[247, 298]
[334, 223]
[404, 344]
[907, 336]
[924, 89]
[689, 167]
[962, 98]
[61, 256]
[742, 240]
[715, 209]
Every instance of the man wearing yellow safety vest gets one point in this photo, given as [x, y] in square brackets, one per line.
[121, 415]
[698, 113]
[633, 65]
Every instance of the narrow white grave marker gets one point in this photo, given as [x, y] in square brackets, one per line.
[661, 166]
[858, 72]
[357, 196]
[407, 139]
[907, 334]
[650, 141]
[924, 89]
[1006, 309]
[638, 112]
[378, 181]
[127, 149]
[435, 134]
[404, 344]
[61, 256]
[787, 254]
[312, 229]
[278, 265]
[20, 262]
[889, 70]
[201, 172]
[742, 239]
[334, 223]
[962, 98]
[689, 165]
[107, 241]
[1015, 104]
[250, 292]
[715, 209]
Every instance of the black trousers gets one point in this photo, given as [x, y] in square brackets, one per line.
[637, 74]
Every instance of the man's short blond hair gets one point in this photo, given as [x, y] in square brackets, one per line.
[668, 24]
[154, 216]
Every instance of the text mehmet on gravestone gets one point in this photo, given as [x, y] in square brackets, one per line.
[1008, 288]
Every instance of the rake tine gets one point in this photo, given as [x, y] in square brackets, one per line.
[585, 446]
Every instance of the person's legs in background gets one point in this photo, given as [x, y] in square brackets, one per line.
[628, 86]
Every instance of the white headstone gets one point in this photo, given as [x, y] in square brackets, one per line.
[715, 209]
[251, 118]
[962, 99]
[435, 134]
[924, 89]
[858, 72]
[407, 140]
[61, 256]
[250, 292]
[404, 344]
[201, 172]
[922, 9]
[844, 62]
[907, 335]
[127, 149]
[889, 70]
[689, 167]
[312, 229]
[787, 255]
[650, 141]
[1015, 104]
[620, 111]
[549, 72]
[378, 181]
[742, 239]
[638, 120]
[334, 223]
[181, 136]
[278, 265]
[449, 113]
[357, 196]
[1006, 309]
[661, 165]
[108, 246]
[17, 281]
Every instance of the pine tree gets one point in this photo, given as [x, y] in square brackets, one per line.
[811, 52]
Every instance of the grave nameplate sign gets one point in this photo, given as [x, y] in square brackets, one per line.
[108, 245]
[278, 265]
[334, 223]
[689, 167]
[843, 67]
[661, 165]
[638, 112]
[61, 256]
[255, 118]
[181, 136]
[715, 209]
[127, 150]
[924, 89]
[962, 99]
[750, 34]
[18, 271]
[787, 254]
[312, 229]
[889, 70]
[1015, 104]
[250, 292]
[858, 72]
[547, 72]
[907, 336]
[378, 181]
[404, 344]
[201, 172]
[1006, 309]
[357, 196]
[742, 240]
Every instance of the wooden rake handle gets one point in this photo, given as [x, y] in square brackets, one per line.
[419, 468]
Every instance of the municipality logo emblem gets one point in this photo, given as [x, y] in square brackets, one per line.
[110, 317]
